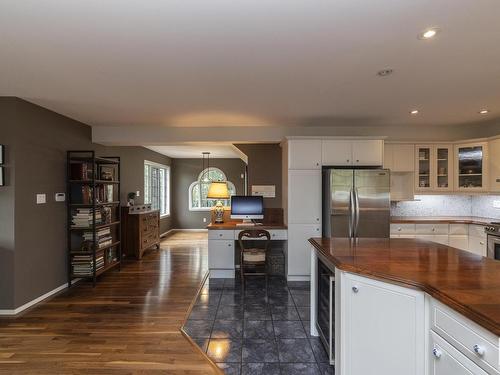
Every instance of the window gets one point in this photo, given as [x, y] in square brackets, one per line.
[198, 190]
[157, 187]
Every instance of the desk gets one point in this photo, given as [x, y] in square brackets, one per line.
[222, 240]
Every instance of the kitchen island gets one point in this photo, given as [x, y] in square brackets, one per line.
[405, 306]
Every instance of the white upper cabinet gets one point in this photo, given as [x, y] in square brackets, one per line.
[336, 152]
[494, 156]
[368, 152]
[352, 153]
[399, 157]
[304, 197]
[433, 168]
[471, 167]
[304, 154]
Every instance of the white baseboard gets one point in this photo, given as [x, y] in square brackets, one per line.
[298, 278]
[36, 300]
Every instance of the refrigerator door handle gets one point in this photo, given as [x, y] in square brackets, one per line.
[352, 208]
[356, 212]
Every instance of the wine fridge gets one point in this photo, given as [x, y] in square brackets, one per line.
[325, 319]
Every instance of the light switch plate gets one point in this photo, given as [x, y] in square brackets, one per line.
[137, 193]
[204, 219]
[496, 204]
[41, 198]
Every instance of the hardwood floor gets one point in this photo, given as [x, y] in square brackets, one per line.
[128, 324]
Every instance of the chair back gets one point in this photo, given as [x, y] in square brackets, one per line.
[254, 234]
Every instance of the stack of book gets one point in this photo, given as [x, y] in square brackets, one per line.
[83, 217]
[103, 237]
[83, 265]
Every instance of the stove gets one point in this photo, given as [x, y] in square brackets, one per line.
[493, 233]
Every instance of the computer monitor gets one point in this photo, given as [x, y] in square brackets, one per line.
[247, 207]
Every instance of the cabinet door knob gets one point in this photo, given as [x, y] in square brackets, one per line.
[355, 289]
[436, 352]
[433, 229]
[317, 164]
[317, 219]
[479, 350]
[229, 245]
[348, 160]
[357, 160]
[481, 242]
[399, 229]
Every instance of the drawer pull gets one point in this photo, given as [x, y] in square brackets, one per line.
[436, 352]
[479, 350]
[220, 234]
[481, 242]
[399, 229]
[355, 289]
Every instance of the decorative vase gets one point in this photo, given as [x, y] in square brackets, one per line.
[219, 213]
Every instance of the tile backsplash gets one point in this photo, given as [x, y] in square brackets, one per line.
[448, 205]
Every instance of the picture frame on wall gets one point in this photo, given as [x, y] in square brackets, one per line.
[2, 176]
[2, 154]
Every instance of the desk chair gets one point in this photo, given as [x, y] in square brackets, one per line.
[253, 260]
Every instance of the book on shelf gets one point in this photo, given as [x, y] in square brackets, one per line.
[81, 171]
[81, 194]
[84, 217]
[83, 265]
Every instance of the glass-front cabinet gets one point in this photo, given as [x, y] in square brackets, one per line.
[471, 166]
[434, 168]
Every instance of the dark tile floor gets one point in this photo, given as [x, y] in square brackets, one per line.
[258, 329]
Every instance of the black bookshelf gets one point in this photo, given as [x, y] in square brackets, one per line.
[93, 215]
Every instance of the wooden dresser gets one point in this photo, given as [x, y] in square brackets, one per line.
[140, 230]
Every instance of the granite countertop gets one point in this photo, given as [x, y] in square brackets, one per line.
[442, 220]
[467, 283]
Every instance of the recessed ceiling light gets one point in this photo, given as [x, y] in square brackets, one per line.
[484, 111]
[414, 112]
[385, 72]
[428, 34]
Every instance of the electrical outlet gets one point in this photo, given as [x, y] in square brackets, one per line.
[496, 204]
[41, 198]
[204, 219]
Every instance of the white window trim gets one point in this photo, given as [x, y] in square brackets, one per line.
[168, 187]
[190, 194]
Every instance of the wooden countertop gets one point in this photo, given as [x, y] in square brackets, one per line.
[442, 220]
[468, 283]
[231, 225]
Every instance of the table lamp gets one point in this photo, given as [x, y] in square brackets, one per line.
[218, 190]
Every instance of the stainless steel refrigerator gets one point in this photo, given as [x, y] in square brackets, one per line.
[356, 202]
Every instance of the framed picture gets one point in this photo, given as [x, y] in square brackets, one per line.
[2, 176]
[2, 154]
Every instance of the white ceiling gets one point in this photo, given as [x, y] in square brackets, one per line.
[190, 63]
[194, 150]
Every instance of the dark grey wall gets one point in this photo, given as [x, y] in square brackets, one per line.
[264, 168]
[7, 199]
[37, 147]
[185, 172]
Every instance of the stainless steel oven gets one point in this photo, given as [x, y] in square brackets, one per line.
[493, 232]
[325, 319]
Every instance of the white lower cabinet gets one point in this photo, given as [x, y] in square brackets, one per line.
[382, 330]
[444, 359]
[477, 245]
[299, 249]
[221, 254]
[459, 242]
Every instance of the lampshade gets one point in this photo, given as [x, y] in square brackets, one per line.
[218, 190]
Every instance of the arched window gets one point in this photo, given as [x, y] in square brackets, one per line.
[198, 190]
